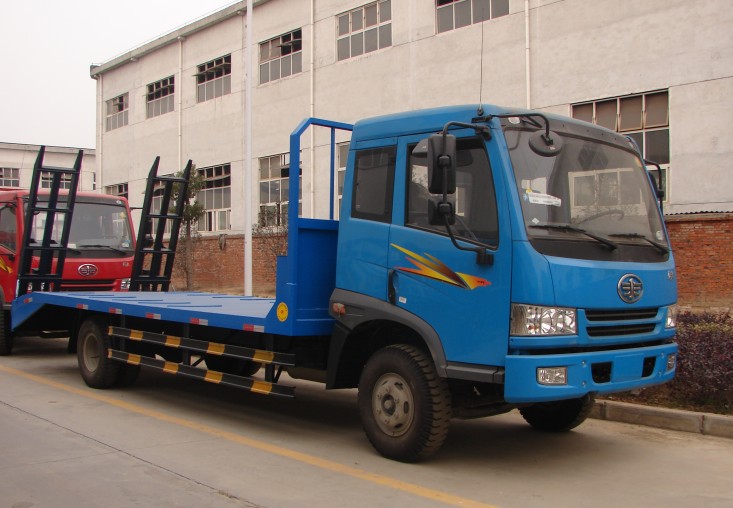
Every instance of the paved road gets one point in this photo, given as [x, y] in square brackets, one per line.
[169, 441]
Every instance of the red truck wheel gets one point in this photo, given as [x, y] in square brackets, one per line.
[559, 416]
[405, 407]
[96, 369]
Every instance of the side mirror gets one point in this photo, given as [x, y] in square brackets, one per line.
[442, 164]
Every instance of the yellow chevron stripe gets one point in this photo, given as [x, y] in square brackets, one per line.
[263, 356]
[261, 387]
[213, 376]
[172, 341]
[215, 349]
[133, 359]
[170, 368]
[136, 335]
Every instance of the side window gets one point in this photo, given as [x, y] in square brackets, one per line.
[474, 200]
[8, 227]
[373, 184]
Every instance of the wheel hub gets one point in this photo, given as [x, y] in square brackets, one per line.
[392, 404]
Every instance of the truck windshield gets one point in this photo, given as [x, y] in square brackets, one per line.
[592, 192]
[95, 226]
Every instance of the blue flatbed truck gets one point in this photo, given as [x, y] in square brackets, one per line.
[485, 259]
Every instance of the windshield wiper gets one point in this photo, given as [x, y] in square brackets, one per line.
[661, 247]
[567, 227]
[97, 246]
[71, 249]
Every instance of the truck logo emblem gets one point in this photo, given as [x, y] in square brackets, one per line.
[630, 288]
[87, 270]
[432, 268]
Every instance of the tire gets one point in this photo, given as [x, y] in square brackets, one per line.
[6, 335]
[96, 369]
[405, 407]
[235, 366]
[559, 416]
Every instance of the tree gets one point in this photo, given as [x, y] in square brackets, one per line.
[192, 212]
[271, 230]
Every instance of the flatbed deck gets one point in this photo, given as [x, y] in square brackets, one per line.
[207, 309]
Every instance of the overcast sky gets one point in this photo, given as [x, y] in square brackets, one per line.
[47, 46]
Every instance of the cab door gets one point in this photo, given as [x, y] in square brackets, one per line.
[9, 241]
[464, 299]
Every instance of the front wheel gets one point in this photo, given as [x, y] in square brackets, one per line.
[558, 416]
[405, 407]
[96, 369]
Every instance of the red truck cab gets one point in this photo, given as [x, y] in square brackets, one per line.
[101, 243]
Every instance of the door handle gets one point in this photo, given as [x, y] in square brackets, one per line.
[391, 293]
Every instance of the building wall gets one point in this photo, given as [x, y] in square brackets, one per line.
[701, 246]
[556, 54]
[23, 157]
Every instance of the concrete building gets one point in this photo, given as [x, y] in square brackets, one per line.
[17, 161]
[659, 70]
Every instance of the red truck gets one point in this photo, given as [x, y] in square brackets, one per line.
[99, 251]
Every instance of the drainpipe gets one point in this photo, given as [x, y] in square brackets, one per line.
[527, 67]
[180, 101]
[312, 108]
[248, 76]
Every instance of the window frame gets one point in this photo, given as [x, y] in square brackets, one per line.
[287, 47]
[117, 112]
[11, 180]
[387, 185]
[381, 26]
[217, 179]
[469, 8]
[160, 97]
[214, 78]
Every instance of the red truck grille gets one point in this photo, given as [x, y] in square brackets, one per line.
[88, 285]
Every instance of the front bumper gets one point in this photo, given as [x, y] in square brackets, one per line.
[597, 371]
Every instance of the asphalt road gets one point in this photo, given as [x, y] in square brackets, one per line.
[169, 441]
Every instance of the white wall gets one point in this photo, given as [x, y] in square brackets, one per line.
[579, 50]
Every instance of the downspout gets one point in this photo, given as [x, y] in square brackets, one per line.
[180, 102]
[248, 153]
[527, 67]
[98, 152]
[312, 108]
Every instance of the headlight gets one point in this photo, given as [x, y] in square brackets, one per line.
[125, 284]
[536, 320]
[672, 312]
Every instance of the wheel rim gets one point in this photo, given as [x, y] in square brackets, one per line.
[393, 404]
[90, 353]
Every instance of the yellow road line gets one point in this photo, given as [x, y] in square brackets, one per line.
[411, 488]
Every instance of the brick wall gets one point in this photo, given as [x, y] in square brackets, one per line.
[219, 265]
[702, 244]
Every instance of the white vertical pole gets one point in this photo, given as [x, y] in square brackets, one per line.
[248, 155]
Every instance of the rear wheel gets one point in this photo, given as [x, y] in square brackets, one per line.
[405, 407]
[558, 416]
[6, 335]
[93, 343]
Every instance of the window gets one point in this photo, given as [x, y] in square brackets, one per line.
[216, 198]
[459, 13]
[281, 57]
[160, 97]
[364, 30]
[9, 177]
[8, 227]
[342, 153]
[474, 199]
[274, 189]
[214, 78]
[119, 189]
[373, 184]
[47, 179]
[117, 109]
[642, 117]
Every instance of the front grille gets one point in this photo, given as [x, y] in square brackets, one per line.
[620, 315]
[608, 331]
[91, 285]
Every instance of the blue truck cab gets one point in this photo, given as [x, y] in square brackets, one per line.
[485, 259]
